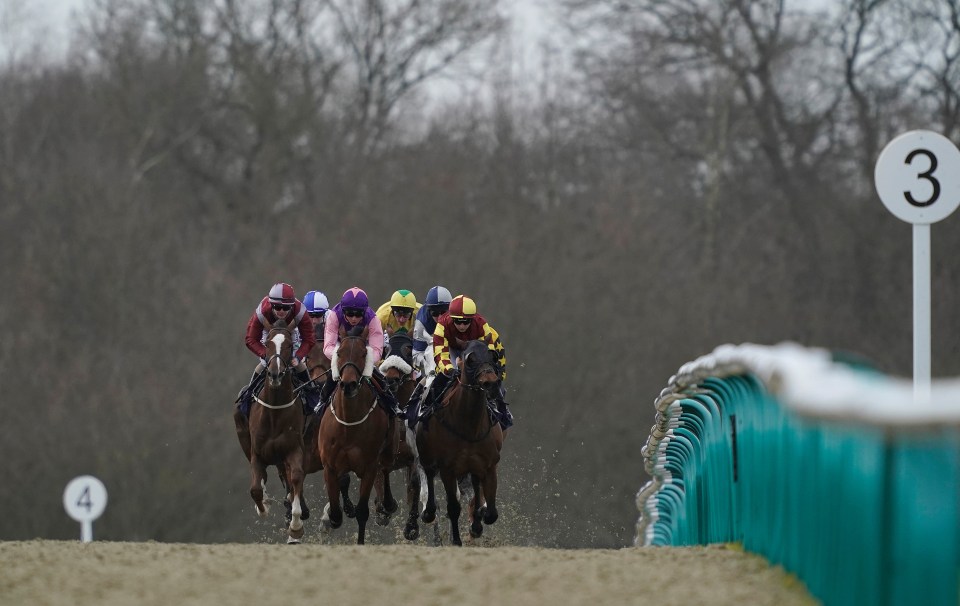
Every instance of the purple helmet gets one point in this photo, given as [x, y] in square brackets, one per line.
[354, 297]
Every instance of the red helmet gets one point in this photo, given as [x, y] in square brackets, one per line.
[462, 307]
[282, 293]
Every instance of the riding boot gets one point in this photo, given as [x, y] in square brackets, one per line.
[390, 401]
[310, 395]
[246, 394]
[506, 417]
[436, 390]
[326, 391]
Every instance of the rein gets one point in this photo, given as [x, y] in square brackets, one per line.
[286, 370]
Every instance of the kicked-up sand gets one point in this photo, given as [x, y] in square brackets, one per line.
[72, 573]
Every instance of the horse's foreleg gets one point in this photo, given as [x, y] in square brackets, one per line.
[363, 501]
[294, 481]
[258, 481]
[430, 507]
[453, 505]
[348, 507]
[332, 513]
[412, 530]
[490, 514]
[476, 508]
[386, 504]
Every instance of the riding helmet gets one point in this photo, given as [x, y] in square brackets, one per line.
[403, 299]
[354, 297]
[282, 293]
[462, 307]
[316, 302]
[438, 295]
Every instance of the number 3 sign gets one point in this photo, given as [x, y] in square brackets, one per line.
[918, 177]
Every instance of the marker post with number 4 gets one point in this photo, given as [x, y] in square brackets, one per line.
[85, 498]
[918, 179]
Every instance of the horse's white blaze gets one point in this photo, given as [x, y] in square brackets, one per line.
[278, 340]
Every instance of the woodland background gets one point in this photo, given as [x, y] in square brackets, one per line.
[671, 176]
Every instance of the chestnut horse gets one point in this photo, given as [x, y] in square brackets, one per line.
[276, 430]
[353, 430]
[463, 438]
[318, 365]
[398, 371]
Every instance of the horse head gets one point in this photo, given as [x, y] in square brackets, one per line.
[351, 360]
[279, 346]
[479, 370]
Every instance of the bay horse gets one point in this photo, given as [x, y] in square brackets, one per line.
[318, 366]
[353, 429]
[276, 430]
[463, 438]
[398, 372]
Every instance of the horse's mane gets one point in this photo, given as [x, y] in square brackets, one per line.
[401, 344]
[474, 354]
[356, 331]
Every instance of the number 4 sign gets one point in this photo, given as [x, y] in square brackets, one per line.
[918, 179]
[85, 498]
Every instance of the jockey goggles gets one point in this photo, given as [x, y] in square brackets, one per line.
[353, 312]
[281, 307]
[318, 314]
[438, 310]
[402, 311]
[462, 321]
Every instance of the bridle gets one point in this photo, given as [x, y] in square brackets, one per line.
[363, 379]
[475, 386]
[278, 377]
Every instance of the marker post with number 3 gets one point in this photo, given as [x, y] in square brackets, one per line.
[918, 179]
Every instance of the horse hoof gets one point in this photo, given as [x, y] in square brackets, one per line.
[476, 531]
[349, 509]
[411, 533]
[295, 535]
[292, 541]
[428, 517]
[490, 517]
[382, 518]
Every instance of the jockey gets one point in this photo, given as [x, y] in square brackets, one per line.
[463, 322]
[317, 306]
[396, 315]
[280, 305]
[436, 304]
[354, 310]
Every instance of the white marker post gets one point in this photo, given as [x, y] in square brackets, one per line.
[918, 178]
[85, 498]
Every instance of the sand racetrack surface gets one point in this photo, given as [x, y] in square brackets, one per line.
[114, 573]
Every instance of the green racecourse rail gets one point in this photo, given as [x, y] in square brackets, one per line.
[826, 468]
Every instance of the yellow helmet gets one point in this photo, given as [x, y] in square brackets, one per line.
[403, 299]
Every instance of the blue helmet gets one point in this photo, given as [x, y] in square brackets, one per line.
[316, 302]
[438, 295]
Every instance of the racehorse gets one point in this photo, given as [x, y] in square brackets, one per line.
[276, 430]
[464, 438]
[397, 370]
[353, 429]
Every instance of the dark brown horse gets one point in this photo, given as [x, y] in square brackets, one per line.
[463, 438]
[398, 371]
[276, 430]
[353, 430]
